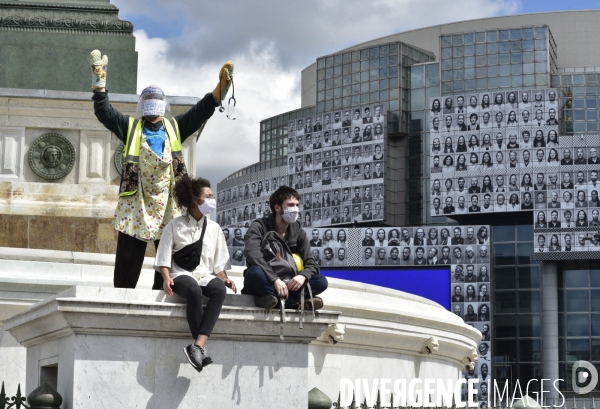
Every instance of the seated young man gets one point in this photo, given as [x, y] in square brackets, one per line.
[259, 278]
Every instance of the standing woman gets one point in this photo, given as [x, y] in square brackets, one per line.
[192, 257]
[152, 162]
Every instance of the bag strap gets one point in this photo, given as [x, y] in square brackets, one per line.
[282, 309]
[312, 303]
[281, 317]
[199, 242]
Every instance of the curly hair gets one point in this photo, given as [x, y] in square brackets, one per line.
[186, 189]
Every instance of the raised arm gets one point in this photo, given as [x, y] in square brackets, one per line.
[112, 119]
[193, 119]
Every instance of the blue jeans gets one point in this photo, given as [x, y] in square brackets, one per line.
[257, 283]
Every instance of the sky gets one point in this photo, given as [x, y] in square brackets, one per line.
[182, 44]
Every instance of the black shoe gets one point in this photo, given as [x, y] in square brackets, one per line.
[308, 304]
[197, 356]
[206, 360]
[265, 301]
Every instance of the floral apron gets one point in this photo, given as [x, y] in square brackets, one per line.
[144, 214]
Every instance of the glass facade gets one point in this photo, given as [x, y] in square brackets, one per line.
[273, 136]
[424, 84]
[579, 318]
[497, 59]
[579, 101]
[517, 306]
[374, 75]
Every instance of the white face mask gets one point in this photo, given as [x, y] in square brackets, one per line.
[153, 107]
[208, 206]
[290, 214]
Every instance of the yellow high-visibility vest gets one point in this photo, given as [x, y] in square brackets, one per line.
[131, 154]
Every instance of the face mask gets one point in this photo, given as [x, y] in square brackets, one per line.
[290, 214]
[153, 107]
[208, 206]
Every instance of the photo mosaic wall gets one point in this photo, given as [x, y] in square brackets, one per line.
[486, 150]
[464, 249]
[335, 161]
[501, 152]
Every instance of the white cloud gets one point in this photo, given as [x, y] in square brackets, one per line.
[263, 89]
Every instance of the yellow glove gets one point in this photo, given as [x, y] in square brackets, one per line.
[299, 262]
[225, 79]
[98, 65]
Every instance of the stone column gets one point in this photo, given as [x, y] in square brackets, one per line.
[550, 323]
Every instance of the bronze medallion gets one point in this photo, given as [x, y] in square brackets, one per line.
[118, 160]
[51, 156]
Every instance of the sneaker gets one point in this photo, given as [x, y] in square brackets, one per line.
[318, 303]
[265, 301]
[197, 356]
[206, 360]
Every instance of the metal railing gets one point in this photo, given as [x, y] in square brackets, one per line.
[17, 401]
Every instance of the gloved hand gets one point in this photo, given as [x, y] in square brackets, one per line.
[98, 65]
[225, 79]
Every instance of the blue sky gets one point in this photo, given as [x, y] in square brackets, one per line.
[535, 6]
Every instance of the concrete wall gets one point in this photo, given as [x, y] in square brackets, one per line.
[72, 213]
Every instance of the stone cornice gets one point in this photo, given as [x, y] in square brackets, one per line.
[63, 18]
[143, 313]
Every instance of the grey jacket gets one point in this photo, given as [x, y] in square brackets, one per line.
[296, 240]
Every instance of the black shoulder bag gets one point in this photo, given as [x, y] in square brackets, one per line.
[188, 257]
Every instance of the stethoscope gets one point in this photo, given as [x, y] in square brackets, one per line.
[230, 109]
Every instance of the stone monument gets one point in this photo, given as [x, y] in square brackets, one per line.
[58, 168]
[45, 44]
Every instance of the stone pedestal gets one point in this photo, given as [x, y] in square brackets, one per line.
[123, 348]
[131, 341]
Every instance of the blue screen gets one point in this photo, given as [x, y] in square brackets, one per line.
[433, 284]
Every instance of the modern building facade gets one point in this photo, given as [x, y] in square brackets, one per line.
[544, 313]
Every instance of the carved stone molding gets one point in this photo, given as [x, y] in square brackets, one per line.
[70, 19]
[469, 360]
[51, 156]
[430, 346]
[94, 157]
[12, 145]
[118, 158]
[333, 334]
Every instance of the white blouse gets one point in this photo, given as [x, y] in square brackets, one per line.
[185, 230]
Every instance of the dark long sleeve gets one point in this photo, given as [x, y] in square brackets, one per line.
[252, 251]
[108, 116]
[191, 121]
[296, 240]
[188, 122]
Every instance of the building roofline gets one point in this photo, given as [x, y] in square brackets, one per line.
[362, 44]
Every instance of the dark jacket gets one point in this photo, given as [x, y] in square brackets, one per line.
[296, 240]
[188, 122]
